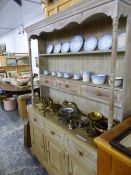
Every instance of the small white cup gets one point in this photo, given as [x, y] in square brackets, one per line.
[46, 72]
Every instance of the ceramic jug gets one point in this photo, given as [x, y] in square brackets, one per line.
[86, 76]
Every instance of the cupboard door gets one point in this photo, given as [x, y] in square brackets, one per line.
[38, 143]
[56, 158]
[79, 167]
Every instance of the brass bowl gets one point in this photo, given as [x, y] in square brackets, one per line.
[95, 116]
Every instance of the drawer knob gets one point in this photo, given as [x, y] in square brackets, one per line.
[80, 153]
[35, 119]
[66, 85]
[98, 94]
[52, 133]
[46, 81]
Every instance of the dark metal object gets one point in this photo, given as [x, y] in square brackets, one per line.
[19, 2]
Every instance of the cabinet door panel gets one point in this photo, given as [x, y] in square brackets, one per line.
[79, 167]
[38, 143]
[56, 157]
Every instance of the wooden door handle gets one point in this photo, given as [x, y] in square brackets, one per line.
[98, 94]
[66, 85]
[52, 133]
[80, 153]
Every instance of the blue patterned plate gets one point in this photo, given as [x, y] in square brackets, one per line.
[122, 41]
[90, 44]
[65, 47]
[49, 48]
[105, 43]
[76, 43]
[57, 48]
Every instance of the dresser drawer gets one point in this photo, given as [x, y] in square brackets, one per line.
[56, 135]
[101, 93]
[48, 81]
[69, 86]
[81, 153]
[36, 118]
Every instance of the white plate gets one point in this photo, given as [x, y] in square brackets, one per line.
[76, 43]
[105, 43]
[65, 47]
[90, 44]
[49, 48]
[122, 41]
[57, 48]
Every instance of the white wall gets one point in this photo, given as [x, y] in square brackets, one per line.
[17, 43]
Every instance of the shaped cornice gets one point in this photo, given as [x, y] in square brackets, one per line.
[79, 13]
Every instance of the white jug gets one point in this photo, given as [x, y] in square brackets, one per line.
[86, 76]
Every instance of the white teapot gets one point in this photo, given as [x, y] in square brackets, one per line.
[86, 76]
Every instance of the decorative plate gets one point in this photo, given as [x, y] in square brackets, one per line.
[122, 41]
[76, 43]
[57, 48]
[49, 48]
[65, 47]
[105, 43]
[90, 44]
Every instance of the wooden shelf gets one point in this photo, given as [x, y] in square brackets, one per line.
[14, 66]
[82, 53]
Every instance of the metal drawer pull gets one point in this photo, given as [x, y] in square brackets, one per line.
[35, 119]
[66, 85]
[52, 133]
[98, 94]
[80, 153]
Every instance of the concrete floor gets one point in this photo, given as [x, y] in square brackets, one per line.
[15, 159]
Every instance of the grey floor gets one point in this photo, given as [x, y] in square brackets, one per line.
[15, 159]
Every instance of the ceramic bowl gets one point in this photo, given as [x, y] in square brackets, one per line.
[98, 78]
[46, 72]
[77, 76]
[54, 73]
[60, 74]
[118, 81]
[67, 75]
[22, 81]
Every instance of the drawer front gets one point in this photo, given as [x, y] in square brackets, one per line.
[68, 86]
[56, 135]
[36, 118]
[81, 153]
[100, 93]
[48, 81]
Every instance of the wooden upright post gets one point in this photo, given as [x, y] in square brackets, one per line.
[113, 67]
[30, 60]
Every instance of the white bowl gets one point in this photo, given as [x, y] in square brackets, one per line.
[77, 76]
[118, 81]
[98, 78]
[60, 74]
[22, 81]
